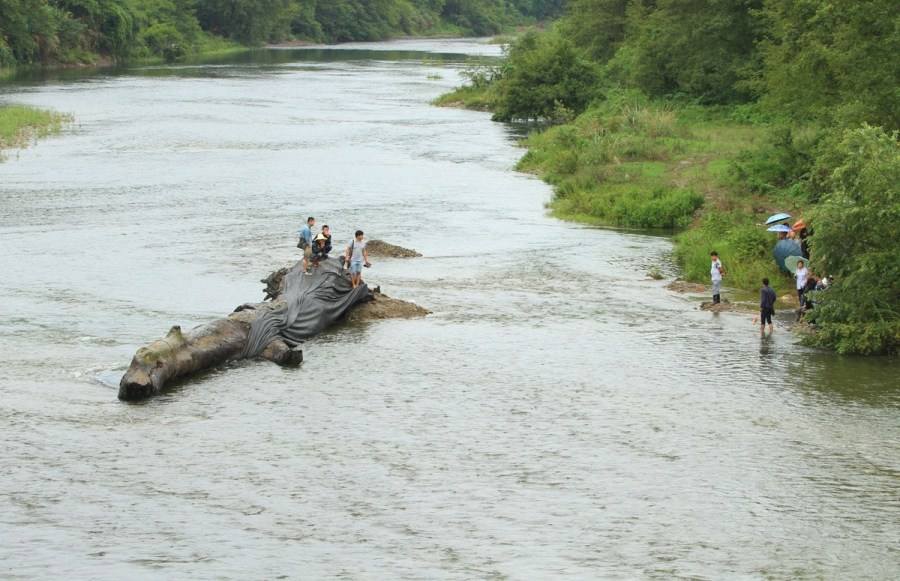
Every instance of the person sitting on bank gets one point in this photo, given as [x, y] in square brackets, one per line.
[766, 307]
[357, 256]
[320, 249]
[306, 242]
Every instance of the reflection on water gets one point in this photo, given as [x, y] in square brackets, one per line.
[560, 414]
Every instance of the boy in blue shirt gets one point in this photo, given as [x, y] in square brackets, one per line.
[306, 241]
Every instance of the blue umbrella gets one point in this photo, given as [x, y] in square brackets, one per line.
[779, 228]
[783, 249]
[774, 218]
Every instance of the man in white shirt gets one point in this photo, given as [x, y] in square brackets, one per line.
[716, 270]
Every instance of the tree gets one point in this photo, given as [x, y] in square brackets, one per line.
[832, 61]
[247, 21]
[597, 26]
[542, 74]
[700, 48]
[855, 242]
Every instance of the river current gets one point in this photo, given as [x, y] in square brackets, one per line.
[559, 415]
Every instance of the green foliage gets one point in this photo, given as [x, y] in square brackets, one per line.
[832, 61]
[164, 39]
[247, 21]
[855, 242]
[628, 161]
[596, 26]
[782, 166]
[670, 47]
[543, 75]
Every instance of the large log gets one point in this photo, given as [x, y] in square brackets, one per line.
[181, 354]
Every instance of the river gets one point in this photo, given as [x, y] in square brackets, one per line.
[560, 415]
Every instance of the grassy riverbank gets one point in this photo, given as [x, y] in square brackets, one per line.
[19, 125]
[633, 162]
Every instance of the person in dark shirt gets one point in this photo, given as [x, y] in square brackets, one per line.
[766, 307]
[320, 249]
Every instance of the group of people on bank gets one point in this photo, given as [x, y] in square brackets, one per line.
[317, 247]
[806, 282]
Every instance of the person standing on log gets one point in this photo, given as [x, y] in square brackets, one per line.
[357, 256]
[306, 242]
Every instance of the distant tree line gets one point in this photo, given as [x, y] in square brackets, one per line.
[66, 31]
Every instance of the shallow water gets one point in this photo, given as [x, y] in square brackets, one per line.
[559, 415]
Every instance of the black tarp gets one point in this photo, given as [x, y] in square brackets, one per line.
[313, 302]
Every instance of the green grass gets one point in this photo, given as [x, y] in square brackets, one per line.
[19, 125]
[467, 97]
[633, 163]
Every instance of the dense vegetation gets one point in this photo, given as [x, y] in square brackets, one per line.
[706, 115]
[74, 31]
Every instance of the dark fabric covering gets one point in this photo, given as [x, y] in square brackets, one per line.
[312, 304]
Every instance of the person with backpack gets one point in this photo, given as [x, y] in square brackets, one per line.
[356, 256]
[306, 243]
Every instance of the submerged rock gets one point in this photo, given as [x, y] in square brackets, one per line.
[384, 307]
[683, 286]
[382, 249]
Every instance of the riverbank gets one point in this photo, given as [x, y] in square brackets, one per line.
[632, 162]
[20, 125]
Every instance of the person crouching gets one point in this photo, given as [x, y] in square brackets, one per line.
[320, 249]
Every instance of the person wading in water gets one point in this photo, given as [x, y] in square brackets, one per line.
[766, 307]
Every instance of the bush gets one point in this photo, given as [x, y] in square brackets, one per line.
[782, 164]
[542, 75]
[164, 40]
[855, 242]
[7, 59]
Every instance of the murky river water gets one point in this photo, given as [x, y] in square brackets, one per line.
[559, 415]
